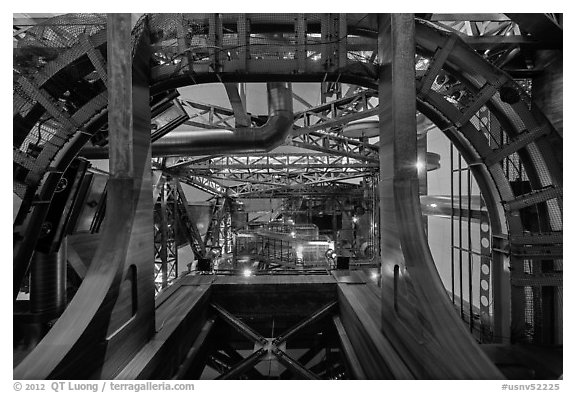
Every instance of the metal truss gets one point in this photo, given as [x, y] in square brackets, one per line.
[267, 172]
[483, 31]
[501, 38]
[165, 229]
[332, 115]
[335, 114]
[202, 183]
[281, 169]
[174, 163]
[308, 124]
[213, 116]
[219, 233]
[293, 180]
[316, 190]
[299, 185]
[266, 347]
[271, 190]
[336, 144]
[278, 162]
[345, 157]
[477, 25]
[265, 184]
[190, 229]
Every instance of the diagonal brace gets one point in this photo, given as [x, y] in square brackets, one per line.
[324, 311]
[244, 365]
[240, 326]
[292, 364]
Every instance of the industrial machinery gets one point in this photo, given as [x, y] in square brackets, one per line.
[161, 235]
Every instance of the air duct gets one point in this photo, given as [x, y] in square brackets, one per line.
[240, 140]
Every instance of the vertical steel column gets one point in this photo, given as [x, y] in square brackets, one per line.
[342, 41]
[129, 122]
[215, 40]
[163, 238]
[398, 146]
[423, 306]
[225, 230]
[460, 244]
[470, 259]
[173, 219]
[376, 217]
[325, 32]
[166, 228]
[100, 332]
[121, 149]
[243, 27]
[452, 266]
[301, 52]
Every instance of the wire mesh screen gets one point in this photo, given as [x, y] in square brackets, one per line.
[528, 328]
[43, 43]
[53, 80]
[197, 43]
[59, 89]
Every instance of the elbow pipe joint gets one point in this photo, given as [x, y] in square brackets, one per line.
[240, 140]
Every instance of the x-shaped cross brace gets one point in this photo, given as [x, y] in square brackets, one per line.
[269, 345]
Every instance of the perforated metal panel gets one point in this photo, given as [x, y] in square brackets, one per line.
[52, 83]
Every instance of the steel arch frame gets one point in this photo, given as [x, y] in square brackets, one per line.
[460, 60]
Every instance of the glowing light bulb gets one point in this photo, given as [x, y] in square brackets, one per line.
[247, 273]
[420, 165]
[433, 205]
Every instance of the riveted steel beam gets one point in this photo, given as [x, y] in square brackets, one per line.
[436, 65]
[95, 57]
[533, 198]
[480, 100]
[519, 142]
[46, 101]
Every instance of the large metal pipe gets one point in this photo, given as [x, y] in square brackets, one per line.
[48, 282]
[240, 140]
